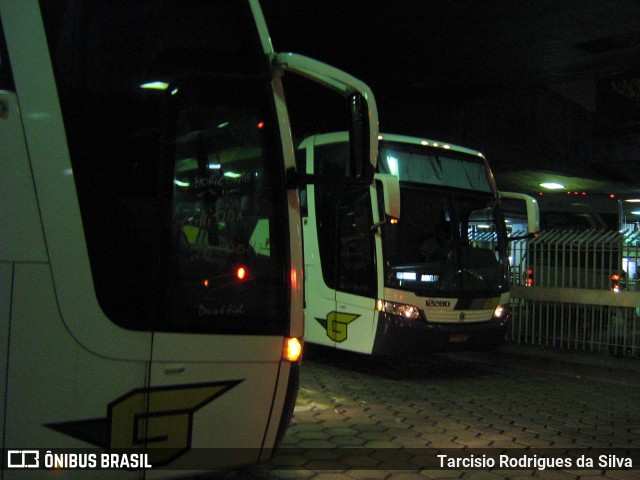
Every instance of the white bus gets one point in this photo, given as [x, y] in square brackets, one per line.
[150, 255]
[417, 260]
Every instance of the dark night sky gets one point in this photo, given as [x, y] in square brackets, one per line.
[526, 82]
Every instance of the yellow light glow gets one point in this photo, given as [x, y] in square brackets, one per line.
[241, 273]
[500, 311]
[292, 350]
[293, 274]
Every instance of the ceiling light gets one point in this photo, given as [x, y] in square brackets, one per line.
[552, 185]
[155, 85]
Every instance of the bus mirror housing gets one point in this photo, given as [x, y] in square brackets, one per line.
[359, 142]
[530, 207]
[363, 118]
[391, 194]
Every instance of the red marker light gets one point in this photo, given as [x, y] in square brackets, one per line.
[260, 124]
[528, 281]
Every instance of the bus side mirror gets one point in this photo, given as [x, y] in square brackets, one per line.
[363, 122]
[390, 193]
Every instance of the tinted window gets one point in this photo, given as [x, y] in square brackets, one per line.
[178, 167]
[434, 166]
[356, 265]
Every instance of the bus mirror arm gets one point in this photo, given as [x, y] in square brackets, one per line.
[362, 109]
[376, 226]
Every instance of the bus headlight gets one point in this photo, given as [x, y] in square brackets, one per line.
[410, 312]
[501, 311]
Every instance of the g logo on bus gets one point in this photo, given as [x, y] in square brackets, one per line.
[336, 325]
[157, 421]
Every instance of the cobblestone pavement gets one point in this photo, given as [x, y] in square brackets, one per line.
[453, 402]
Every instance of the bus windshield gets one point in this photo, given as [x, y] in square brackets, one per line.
[434, 166]
[177, 161]
[451, 236]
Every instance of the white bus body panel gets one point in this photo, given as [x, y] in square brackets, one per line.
[20, 217]
[51, 378]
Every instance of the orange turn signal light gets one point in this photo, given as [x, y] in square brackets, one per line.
[292, 349]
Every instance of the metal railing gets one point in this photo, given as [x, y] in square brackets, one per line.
[571, 303]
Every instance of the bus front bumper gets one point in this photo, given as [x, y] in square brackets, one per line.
[396, 335]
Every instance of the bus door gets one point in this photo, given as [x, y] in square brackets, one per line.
[340, 252]
[356, 273]
[340, 279]
[319, 266]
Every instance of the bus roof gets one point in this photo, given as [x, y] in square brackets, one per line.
[428, 143]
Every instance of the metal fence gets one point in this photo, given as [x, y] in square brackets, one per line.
[565, 293]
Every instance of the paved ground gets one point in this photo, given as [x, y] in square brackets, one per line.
[401, 413]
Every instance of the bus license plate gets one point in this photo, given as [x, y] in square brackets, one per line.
[458, 337]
